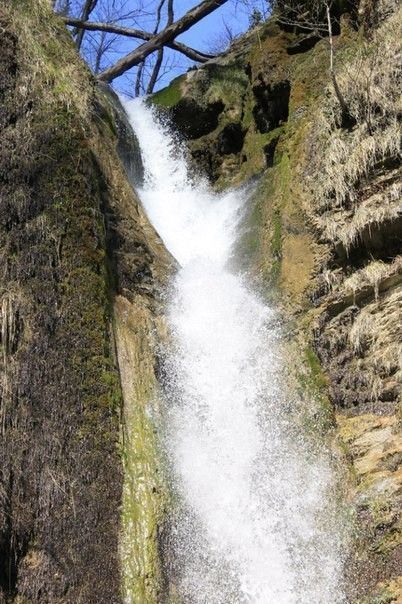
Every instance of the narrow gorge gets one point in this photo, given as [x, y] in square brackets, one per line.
[253, 516]
[201, 320]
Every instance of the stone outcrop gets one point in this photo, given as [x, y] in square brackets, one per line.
[324, 235]
[81, 271]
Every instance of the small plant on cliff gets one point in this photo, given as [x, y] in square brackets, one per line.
[316, 19]
[255, 18]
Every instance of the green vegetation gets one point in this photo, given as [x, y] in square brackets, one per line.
[67, 202]
[169, 96]
[276, 246]
[383, 597]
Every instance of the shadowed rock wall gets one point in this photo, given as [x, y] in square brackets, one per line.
[77, 255]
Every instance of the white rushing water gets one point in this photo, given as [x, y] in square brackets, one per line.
[254, 519]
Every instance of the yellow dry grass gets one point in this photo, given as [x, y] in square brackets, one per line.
[377, 334]
[370, 79]
[371, 276]
[347, 225]
[57, 76]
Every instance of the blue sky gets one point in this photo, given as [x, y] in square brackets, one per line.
[208, 35]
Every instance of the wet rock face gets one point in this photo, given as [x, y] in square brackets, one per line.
[127, 143]
[194, 120]
[60, 472]
[72, 236]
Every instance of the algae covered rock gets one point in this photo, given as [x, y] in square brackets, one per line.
[72, 238]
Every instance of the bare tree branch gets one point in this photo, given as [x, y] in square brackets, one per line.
[162, 39]
[87, 9]
[155, 72]
[170, 12]
[138, 79]
[108, 27]
[101, 48]
[158, 16]
[189, 52]
[338, 92]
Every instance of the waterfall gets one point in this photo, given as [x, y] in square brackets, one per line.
[255, 518]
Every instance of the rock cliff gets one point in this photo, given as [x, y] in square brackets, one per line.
[80, 272]
[81, 498]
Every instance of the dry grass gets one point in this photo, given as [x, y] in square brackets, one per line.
[371, 276]
[332, 279]
[371, 82]
[59, 77]
[385, 8]
[349, 158]
[377, 335]
[347, 225]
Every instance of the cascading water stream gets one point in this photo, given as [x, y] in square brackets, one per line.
[254, 520]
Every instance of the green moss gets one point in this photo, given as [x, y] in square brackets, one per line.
[144, 502]
[169, 96]
[277, 192]
[318, 377]
[227, 83]
[382, 597]
[276, 247]
[113, 393]
[105, 114]
[51, 63]
[313, 381]
[249, 243]
[276, 241]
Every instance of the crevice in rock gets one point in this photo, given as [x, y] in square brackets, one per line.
[12, 550]
[303, 44]
[272, 105]
[375, 241]
[195, 121]
[230, 139]
[363, 296]
[269, 151]
[383, 173]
